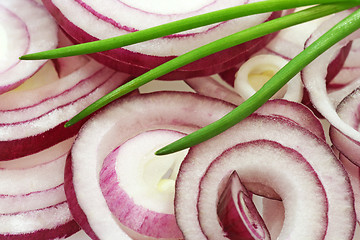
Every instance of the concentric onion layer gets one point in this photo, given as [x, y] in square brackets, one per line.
[314, 79]
[293, 111]
[25, 27]
[32, 198]
[139, 186]
[139, 58]
[30, 115]
[330, 172]
[349, 112]
[252, 163]
[110, 128]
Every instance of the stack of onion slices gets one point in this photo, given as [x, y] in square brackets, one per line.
[274, 157]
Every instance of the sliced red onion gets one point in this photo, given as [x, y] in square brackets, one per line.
[139, 58]
[42, 177]
[42, 157]
[238, 214]
[349, 111]
[259, 69]
[139, 186]
[314, 79]
[29, 116]
[250, 161]
[30, 201]
[130, 116]
[330, 172]
[25, 27]
[208, 86]
[337, 96]
[296, 112]
[53, 222]
[32, 198]
[351, 68]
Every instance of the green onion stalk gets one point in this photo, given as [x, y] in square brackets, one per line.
[318, 9]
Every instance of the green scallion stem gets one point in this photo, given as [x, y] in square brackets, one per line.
[338, 32]
[176, 27]
[216, 46]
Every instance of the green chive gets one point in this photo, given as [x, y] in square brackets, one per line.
[338, 32]
[177, 26]
[216, 46]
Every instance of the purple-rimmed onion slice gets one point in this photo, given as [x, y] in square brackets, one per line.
[38, 110]
[113, 126]
[25, 27]
[120, 17]
[331, 174]
[314, 76]
[252, 163]
[295, 112]
[349, 111]
[350, 70]
[32, 199]
[139, 186]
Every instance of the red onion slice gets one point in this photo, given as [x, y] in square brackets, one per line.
[250, 160]
[139, 186]
[31, 115]
[351, 68]
[290, 135]
[293, 111]
[38, 224]
[314, 80]
[26, 27]
[130, 116]
[348, 111]
[139, 58]
[32, 198]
